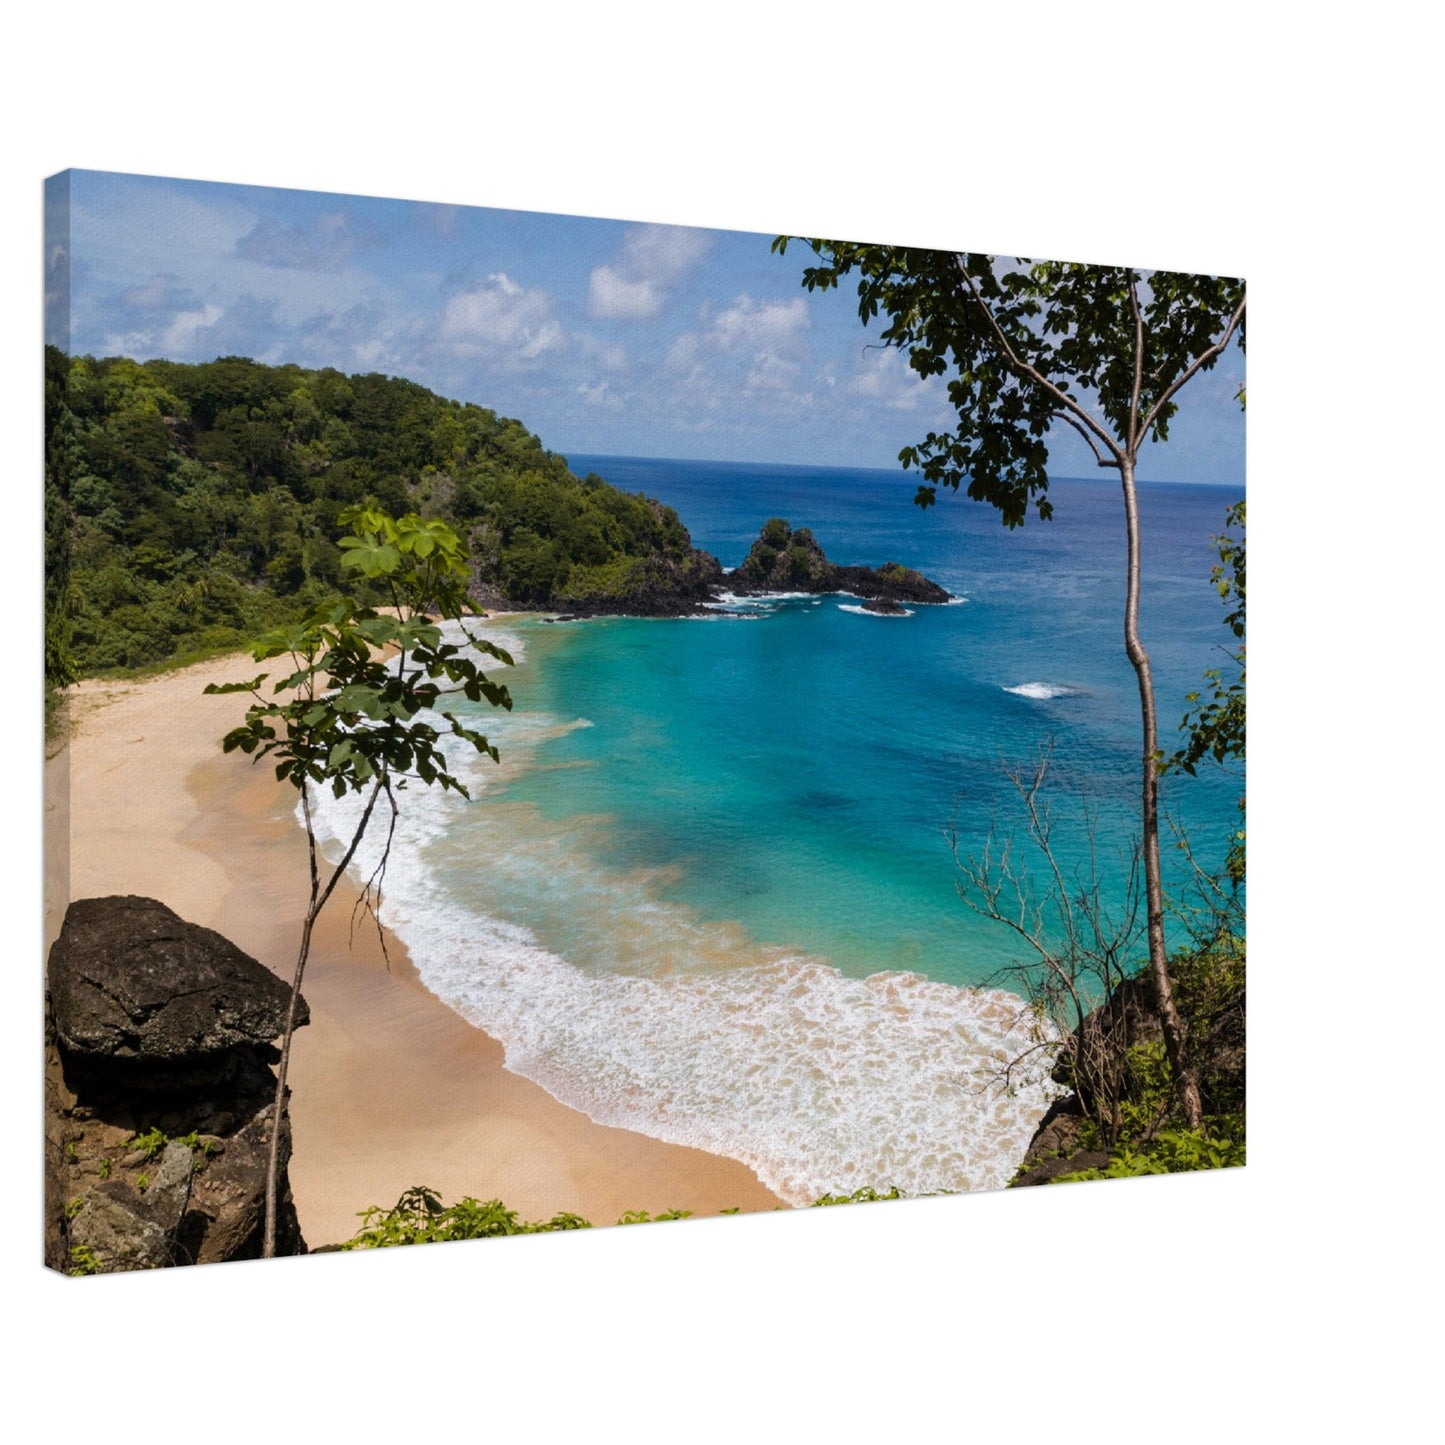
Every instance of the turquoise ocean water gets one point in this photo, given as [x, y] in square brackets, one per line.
[710, 892]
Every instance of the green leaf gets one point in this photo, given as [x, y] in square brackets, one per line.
[212, 688]
[369, 557]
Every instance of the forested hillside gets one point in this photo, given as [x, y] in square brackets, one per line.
[191, 507]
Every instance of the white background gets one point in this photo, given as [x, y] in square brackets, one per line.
[1201, 138]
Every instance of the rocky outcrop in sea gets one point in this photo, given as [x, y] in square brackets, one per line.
[781, 560]
[785, 560]
[158, 1093]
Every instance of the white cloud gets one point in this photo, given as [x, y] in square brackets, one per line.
[180, 336]
[501, 320]
[327, 243]
[771, 372]
[749, 360]
[608, 356]
[665, 253]
[613, 297]
[884, 378]
[766, 327]
[600, 394]
[654, 260]
[760, 346]
[684, 356]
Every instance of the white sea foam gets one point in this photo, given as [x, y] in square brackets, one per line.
[750, 608]
[1044, 691]
[869, 612]
[760, 599]
[692, 1033]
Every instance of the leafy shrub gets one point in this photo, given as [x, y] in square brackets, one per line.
[1174, 1151]
[150, 1143]
[641, 1216]
[83, 1260]
[420, 1217]
[867, 1195]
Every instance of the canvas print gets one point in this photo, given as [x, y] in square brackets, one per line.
[555, 722]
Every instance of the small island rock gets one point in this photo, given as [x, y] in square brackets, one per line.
[788, 560]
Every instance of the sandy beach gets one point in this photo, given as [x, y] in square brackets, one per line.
[390, 1088]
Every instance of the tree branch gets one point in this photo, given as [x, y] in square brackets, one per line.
[356, 837]
[1203, 359]
[1061, 398]
[369, 898]
[1102, 461]
[1134, 432]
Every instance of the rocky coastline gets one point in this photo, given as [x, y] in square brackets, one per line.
[1116, 1038]
[782, 559]
[158, 1093]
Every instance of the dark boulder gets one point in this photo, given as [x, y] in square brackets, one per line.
[129, 982]
[159, 1098]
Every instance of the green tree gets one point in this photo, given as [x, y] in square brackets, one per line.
[1214, 725]
[1027, 345]
[60, 669]
[358, 710]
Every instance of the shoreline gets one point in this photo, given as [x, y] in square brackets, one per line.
[390, 1087]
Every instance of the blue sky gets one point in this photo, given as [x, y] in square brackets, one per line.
[602, 336]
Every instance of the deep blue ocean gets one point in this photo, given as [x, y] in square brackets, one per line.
[711, 892]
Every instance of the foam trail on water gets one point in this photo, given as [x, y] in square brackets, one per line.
[1044, 691]
[868, 611]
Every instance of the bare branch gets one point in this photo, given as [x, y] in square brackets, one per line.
[369, 899]
[1079, 948]
[355, 843]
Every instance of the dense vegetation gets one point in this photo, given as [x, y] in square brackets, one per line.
[1120, 1114]
[420, 1217]
[190, 508]
[1140, 1129]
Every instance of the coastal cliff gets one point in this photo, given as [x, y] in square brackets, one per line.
[1119, 1116]
[158, 1093]
[666, 577]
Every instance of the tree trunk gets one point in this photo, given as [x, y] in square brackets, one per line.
[319, 895]
[1186, 1082]
[273, 1159]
